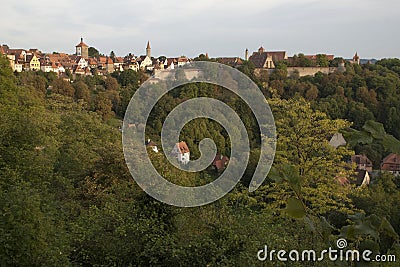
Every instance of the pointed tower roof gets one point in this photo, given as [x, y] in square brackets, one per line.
[82, 44]
[148, 45]
[356, 57]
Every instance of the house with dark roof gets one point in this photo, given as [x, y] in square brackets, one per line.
[230, 61]
[362, 162]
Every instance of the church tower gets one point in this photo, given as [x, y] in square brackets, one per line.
[148, 49]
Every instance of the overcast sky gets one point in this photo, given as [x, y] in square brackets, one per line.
[219, 27]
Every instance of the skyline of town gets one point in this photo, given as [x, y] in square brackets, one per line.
[88, 61]
[218, 28]
[142, 51]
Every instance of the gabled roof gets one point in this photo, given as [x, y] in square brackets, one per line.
[258, 59]
[392, 158]
[109, 61]
[79, 58]
[220, 162]
[278, 55]
[231, 61]
[337, 140]
[78, 70]
[30, 57]
[361, 159]
[119, 60]
[362, 178]
[102, 60]
[391, 162]
[92, 61]
[183, 148]
[81, 44]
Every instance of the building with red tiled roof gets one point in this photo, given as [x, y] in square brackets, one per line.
[230, 61]
[267, 60]
[220, 162]
[391, 163]
[181, 152]
[82, 49]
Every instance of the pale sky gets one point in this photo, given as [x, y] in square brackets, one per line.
[191, 27]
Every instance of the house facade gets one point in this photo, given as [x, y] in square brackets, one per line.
[391, 163]
[362, 162]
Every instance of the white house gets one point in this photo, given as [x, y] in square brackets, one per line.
[145, 62]
[18, 67]
[81, 62]
[133, 65]
[181, 152]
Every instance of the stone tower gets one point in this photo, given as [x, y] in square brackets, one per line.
[246, 54]
[148, 49]
[82, 49]
[356, 59]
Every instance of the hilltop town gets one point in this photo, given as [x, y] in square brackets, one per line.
[87, 61]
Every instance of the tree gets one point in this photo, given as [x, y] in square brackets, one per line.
[127, 77]
[312, 93]
[322, 60]
[304, 155]
[93, 52]
[112, 55]
[62, 87]
[111, 84]
[82, 91]
[103, 106]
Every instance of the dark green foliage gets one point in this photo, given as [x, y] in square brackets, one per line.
[67, 198]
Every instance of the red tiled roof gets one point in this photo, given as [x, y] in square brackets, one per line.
[391, 162]
[81, 44]
[231, 61]
[109, 61]
[220, 162]
[183, 148]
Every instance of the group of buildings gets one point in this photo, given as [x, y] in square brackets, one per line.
[266, 61]
[181, 152]
[364, 166]
[82, 63]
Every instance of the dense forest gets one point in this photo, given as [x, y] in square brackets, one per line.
[68, 199]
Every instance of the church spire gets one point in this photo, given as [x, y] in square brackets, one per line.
[148, 49]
